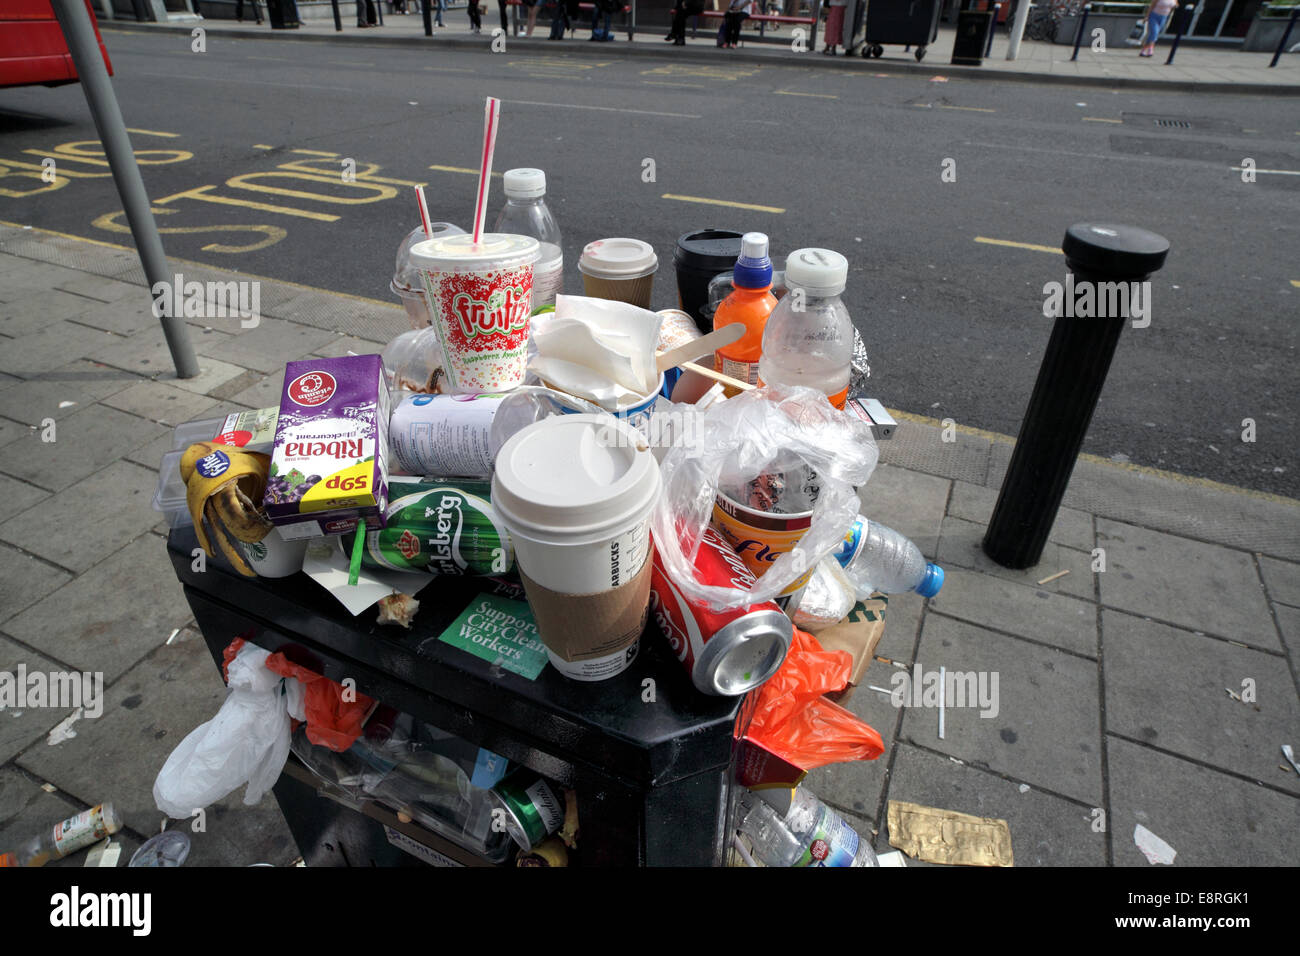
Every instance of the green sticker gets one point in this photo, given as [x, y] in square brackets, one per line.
[496, 628]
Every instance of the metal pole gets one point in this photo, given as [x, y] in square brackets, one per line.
[338, 21]
[1182, 25]
[80, 37]
[988, 44]
[1286, 35]
[812, 38]
[1018, 28]
[428, 17]
[1069, 383]
[1083, 28]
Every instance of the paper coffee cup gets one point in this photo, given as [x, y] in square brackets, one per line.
[619, 269]
[760, 537]
[575, 492]
[479, 301]
[273, 556]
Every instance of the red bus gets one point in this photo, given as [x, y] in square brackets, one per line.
[32, 49]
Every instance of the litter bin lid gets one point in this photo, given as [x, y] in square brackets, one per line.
[714, 250]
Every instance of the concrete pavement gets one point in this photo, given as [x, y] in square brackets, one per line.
[1113, 706]
[1195, 67]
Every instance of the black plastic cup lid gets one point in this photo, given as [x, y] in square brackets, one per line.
[1111, 249]
[710, 249]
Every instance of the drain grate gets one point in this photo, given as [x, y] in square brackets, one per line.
[1173, 124]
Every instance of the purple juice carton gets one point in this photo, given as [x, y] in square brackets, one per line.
[329, 466]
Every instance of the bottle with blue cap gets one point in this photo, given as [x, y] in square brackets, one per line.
[749, 303]
[876, 558]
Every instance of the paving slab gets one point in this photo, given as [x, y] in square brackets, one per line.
[159, 402]
[1047, 728]
[1204, 587]
[112, 615]
[920, 447]
[975, 503]
[90, 377]
[126, 316]
[960, 545]
[910, 503]
[1046, 830]
[41, 398]
[83, 524]
[1209, 818]
[17, 496]
[84, 443]
[146, 714]
[11, 431]
[1166, 687]
[33, 311]
[101, 289]
[24, 580]
[52, 346]
[22, 726]
[1183, 506]
[352, 316]
[263, 393]
[269, 346]
[213, 376]
[1031, 612]
[349, 345]
[1281, 580]
[27, 809]
[144, 353]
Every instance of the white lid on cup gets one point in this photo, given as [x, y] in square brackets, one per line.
[820, 271]
[571, 477]
[525, 183]
[618, 259]
[493, 251]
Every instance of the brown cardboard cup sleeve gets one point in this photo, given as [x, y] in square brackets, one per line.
[578, 627]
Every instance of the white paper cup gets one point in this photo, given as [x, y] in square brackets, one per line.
[273, 556]
[575, 492]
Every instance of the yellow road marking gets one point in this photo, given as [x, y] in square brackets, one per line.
[1296, 283]
[693, 86]
[969, 109]
[262, 146]
[1274, 172]
[447, 69]
[723, 202]
[822, 96]
[458, 169]
[1016, 245]
[348, 63]
[1100, 119]
[152, 132]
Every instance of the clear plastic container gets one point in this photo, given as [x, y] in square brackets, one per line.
[526, 214]
[169, 496]
[406, 283]
[876, 558]
[809, 336]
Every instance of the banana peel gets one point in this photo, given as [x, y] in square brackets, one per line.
[225, 484]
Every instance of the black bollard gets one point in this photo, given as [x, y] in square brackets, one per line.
[1069, 383]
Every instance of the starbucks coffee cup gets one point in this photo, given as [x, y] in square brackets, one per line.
[575, 492]
[273, 556]
[619, 269]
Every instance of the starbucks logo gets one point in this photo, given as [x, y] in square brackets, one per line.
[254, 551]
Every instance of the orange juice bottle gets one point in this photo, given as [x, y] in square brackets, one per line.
[750, 303]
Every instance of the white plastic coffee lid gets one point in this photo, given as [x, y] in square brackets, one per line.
[571, 475]
[819, 271]
[618, 259]
[460, 253]
[525, 183]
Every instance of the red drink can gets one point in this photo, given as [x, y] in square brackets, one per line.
[727, 653]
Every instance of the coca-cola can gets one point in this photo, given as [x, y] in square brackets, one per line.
[727, 653]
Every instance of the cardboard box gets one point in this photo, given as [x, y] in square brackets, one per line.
[859, 634]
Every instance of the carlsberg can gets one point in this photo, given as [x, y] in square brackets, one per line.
[440, 528]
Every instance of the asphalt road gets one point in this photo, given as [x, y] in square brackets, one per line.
[250, 141]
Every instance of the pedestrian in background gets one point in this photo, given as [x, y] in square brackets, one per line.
[681, 10]
[737, 13]
[834, 26]
[366, 16]
[533, 7]
[505, 24]
[239, 11]
[475, 20]
[602, 8]
[1157, 15]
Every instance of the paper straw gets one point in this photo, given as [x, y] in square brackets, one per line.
[491, 118]
[424, 211]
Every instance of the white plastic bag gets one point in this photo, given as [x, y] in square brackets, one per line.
[755, 434]
[246, 742]
[828, 598]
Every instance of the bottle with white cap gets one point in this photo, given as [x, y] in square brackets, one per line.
[809, 336]
[526, 214]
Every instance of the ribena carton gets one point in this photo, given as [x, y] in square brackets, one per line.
[329, 466]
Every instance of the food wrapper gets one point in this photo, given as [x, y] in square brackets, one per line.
[945, 836]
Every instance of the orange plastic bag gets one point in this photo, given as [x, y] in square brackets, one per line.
[331, 721]
[793, 722]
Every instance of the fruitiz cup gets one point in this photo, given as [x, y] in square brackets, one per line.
[619, 269]
[480, 296]
[575, 492]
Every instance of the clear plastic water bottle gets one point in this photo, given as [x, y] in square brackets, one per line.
[876, 558]
[75, 833]
[809, 834]
[526, 214]
[809, 336]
